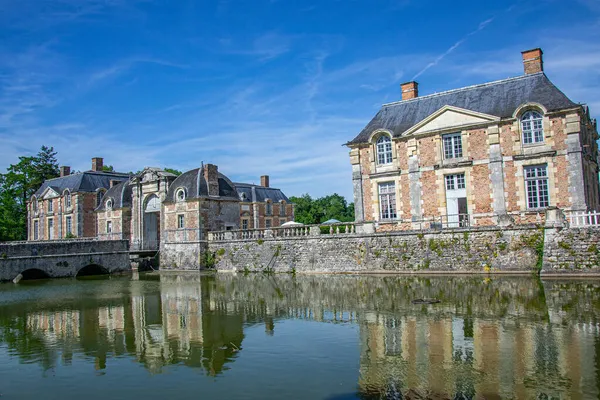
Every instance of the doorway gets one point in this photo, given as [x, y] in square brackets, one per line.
[152, 223]
[456, 201]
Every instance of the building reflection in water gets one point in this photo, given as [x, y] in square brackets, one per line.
[502, 338]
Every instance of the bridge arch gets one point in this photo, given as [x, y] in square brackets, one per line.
[34, 273]
[92, 269]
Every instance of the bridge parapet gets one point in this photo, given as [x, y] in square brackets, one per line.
[62, 258]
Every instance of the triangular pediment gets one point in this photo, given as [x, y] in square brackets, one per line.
[449, 117]
[50, 193]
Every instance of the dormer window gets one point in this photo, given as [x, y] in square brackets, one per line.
[532, 127]
[384, 150]
[109, 204]
[180, 195]
[269, 208]
[452, 145]
[99, 196]
[67, 196]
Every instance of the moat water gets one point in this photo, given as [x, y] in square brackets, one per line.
[260, 336]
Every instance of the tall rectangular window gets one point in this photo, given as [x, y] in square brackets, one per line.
[536, 183]
[50, 228]
[36, 230]
[69, 225]
[68, 200]
[269, 208]
[108, 226]
[387, 200]
[452, 145]
[282, 209]
[244, 224]
[180, 221]
[267, 223]
[50, 206]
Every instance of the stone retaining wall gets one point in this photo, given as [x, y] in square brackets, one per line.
[575, 250]
[475, 250]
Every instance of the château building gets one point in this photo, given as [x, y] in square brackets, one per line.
[501, 152]
[64, 207]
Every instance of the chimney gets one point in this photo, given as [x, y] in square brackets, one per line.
[97, 164]
[114, 182]
[211, 175]
[410, 90]
[65, 171]
[264, 180]
[532, 61]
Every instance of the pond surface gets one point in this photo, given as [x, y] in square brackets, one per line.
[306, 337]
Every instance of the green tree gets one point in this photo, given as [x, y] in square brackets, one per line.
[17, 186]
[173, 171]
[315, 211]
[108, 168]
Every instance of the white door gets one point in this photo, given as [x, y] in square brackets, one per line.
[456, 200]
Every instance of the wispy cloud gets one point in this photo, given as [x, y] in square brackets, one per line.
[439, 58]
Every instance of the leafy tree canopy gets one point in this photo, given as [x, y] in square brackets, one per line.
[173, 171]
[315, 211]
[17, 185]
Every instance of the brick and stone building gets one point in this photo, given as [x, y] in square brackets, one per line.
[157, 210]
[501, 152]
[64, 207]
[263, 206]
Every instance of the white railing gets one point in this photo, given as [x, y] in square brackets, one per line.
[284, 232]
[579, 219]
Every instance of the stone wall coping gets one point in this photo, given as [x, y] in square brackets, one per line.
[61, 255]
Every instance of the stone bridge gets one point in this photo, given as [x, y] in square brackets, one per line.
[63, 258]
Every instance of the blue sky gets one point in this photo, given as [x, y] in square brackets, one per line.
[259, 87]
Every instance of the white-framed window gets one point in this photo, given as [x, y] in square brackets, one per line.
[455, 181]
[387, 200]
[108, 226]
[267, 223]
[452, 145]
[69, 225]
[67, 196]
[109, 204]
[36, 230]
[532, 127]
[245, 224]
[536, 185]
[50, 228]
[99, 196]
[180, 221]
[180, 195]
[50, 205]
[384, 150]
[269, 208]
[282, 209]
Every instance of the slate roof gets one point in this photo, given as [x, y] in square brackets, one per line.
[253, 193]
[120, 195]
[88, 181]
[499, 98]
[196, 186]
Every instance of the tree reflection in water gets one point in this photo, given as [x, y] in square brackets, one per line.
[507, 337]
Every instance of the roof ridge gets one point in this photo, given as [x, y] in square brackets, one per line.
[514, 78]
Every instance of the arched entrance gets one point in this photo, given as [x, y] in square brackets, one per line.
[151, 223]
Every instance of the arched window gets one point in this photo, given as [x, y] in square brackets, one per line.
[180, 195]
[99, 196]
[67, 196]
[109, 204]
[384, 150]
[532, 127]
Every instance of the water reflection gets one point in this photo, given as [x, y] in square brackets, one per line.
[488, 338]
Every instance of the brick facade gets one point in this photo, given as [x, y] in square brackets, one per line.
[493, 157]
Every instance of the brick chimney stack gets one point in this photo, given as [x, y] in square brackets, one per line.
[65, 171]
[211, 175]
[532, 61]
[410, 90]
[97, 164]
[264, 181]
